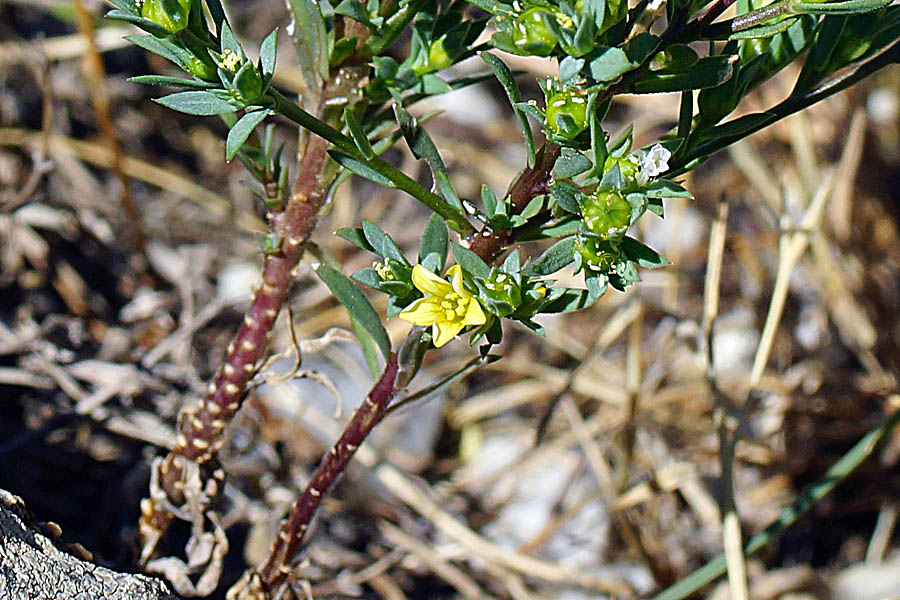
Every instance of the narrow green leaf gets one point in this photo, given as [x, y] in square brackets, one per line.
[508, 81]
[708, 72]
[196, 103]
[357, 133]
[489, 201]
[688, 586]
[567, 196]
[360, 168]
[554, 258]
[162, 47]
[569, 301]
[355, 236]
[765, 30]
[434, 240]
[229, 42]
[359, 307]
[384, 246]
[470, 262]
[685, 115]
[445, 189]
[643, 255]
[570, 164]
[242, 130]
[172, 81]
[369, 347]
[611, 64]
[311, 42]
[663, 188]
[267, 54]
[145, 24]
[126, 6]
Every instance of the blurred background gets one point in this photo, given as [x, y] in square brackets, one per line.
[128, 248]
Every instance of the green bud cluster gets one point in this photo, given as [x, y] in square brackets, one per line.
[171, 15]
[607, 214]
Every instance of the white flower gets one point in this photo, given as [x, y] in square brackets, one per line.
[654, 162]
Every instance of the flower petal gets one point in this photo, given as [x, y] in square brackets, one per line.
[446, 331]
[474, 314]
[429, 283]
[423, 311]
[456, 276]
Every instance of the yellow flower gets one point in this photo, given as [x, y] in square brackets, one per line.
[447, 307]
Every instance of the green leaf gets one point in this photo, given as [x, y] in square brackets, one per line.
[554, 258]
[145, 24]
[417, 138]
[570, 69]
[663, 188]
[508, 81]
[384, 246]
[126, 6]
[643, 255]
[357, 133]
[445, 189]
[242, 130]
[311, 42]
[766, 30]
[490, 203]
[534, 206]
[196, 103]
[341, 50]
[357, 305]
[267, 54]
[368, 345]
[248, 82]
[470, 262]
[355, 10]
[368, 277]
[570, 163]
[569, 301]
[360, 168]
[229, 42]
[708, 72]
[434, 241]
[567, 196]
[172, 81]
[611, 64]
[847, 7]
[355, 236]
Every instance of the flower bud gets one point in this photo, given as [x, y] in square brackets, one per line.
[171, 15]
[597, 255]
[531, 35]
[607, 213]
[566, 114]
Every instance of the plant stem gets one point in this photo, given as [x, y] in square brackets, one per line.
[200, 434]
[287, 544]
[792, 104]
[456, 219]
[488, 243]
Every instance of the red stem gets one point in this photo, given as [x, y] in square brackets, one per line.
[487, 243]
[289, 539]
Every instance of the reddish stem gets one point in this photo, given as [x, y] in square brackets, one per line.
[200, 433]
[487, 243]
[289, 539]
